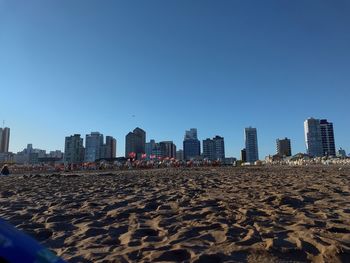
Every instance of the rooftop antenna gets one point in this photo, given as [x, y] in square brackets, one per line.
[3, 123]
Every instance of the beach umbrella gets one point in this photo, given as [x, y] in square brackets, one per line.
[132, 155]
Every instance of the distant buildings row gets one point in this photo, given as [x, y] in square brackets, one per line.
[95, 148]
[319, 139]
[135, 143]
[32, 155]
[283, 147]
[75, 152]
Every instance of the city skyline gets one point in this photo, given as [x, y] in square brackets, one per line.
[76, 67]
[319, 141]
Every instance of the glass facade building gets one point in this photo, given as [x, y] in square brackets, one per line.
[251, 145]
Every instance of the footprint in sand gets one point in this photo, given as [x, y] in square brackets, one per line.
[177, 255]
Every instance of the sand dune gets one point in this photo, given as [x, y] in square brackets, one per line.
[299, 214]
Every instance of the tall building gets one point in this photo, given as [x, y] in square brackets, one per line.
[327, 135]
[130, 142]
[168, 149]
[157, 151]
[191, 134]
[219, 147]
[283, 147]
[191, 145]
[111, 144]
[243, 155]
[209, 149]
[93, 146]
[4, 140]
[141, 135]
[74, 149]
[214, 149]
[161, 150]
[251, 145]
[149, 147]
[313, 137]
[135, 142]
[180, 155]
[109, 149]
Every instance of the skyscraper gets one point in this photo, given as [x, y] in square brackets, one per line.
[130, 142]
[327, 135]
[214, 149]
[149, 147]
[313, 137]
[93, 146]
[141, 140]
[191, 145]
[209, 149]
[4, 140]
[135, 142]
[283, 147]
[219, 147]
[161, 150]
[251, 145]
[243, 155]
[157, 151]
[191, 134]
[180, 155]
[111, 145]
[74, 149]
[168, 149]
[109, 149]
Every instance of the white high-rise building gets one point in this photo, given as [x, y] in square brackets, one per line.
[251, 145]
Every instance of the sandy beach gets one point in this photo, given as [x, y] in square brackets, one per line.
[253, 214]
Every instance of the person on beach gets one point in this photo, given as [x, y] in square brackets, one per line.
[5, 170]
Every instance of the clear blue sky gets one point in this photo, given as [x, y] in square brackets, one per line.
[79, 66]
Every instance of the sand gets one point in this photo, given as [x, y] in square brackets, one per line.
[276, 214]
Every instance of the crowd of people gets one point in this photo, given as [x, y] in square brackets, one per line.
[310, 161]
[154, 164]
[104, 165]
